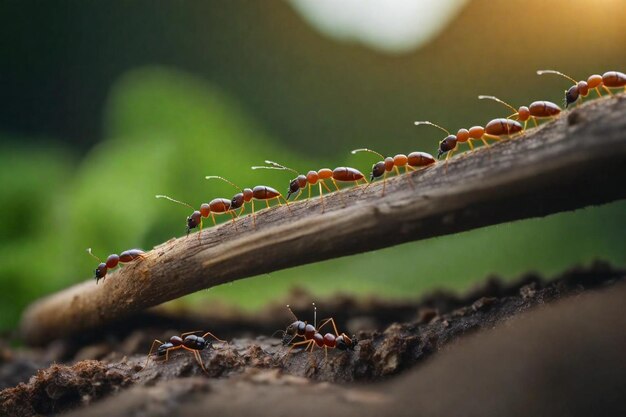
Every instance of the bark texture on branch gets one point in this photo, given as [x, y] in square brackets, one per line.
[576, 161]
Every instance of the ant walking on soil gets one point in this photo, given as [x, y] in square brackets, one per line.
[341, 174]
[189, 341]
[612, 79]
[113, 260]
[313, 337]
[411, 162]
[248, 195]
[215, 206]
[536, 110]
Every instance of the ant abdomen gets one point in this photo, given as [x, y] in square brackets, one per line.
[130, 255]
[614, 79]
[219, 205]
[262, 192]
[543, 109]
[420, 159]
[347, 174]
[501, 126]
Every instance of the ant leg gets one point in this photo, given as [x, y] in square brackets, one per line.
[607, 90]
[213, 218]
[598, 91]
[253, 215]
[304, 342]
[322, 196]
[150, 352]
[384, 184]
[285, 200]
[182, 336]
[329, 320]
[213, 336]
[534, 121]
[199, 359]
[267, 203]
[407, 177]
[338, 189]
[232, 215]
[196, 354]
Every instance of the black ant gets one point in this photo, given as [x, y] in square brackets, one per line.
[312, 336]
[341, 174]
[189, 341]
[215, 206]
[248, 195]
[492, 130]
[536, 110]
[612, 79]
[409, 162]
[114, 259]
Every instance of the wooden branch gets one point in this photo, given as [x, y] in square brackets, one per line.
[578, 160]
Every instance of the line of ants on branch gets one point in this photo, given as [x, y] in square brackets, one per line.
[310, 334]
[298, 334]
[495, 129]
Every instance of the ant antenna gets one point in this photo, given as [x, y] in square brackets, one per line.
[314, 315]
[426, 122]
[210, 177]
[294, 316]
[173, 200]
[494, 98]
[276, 165]
[91, 253]
[368, 150]
[541, 72]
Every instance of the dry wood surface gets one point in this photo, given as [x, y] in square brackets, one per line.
[575, 161]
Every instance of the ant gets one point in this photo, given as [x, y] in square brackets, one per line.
[189, 341]
[341, 174]
[414, 159]
[247, 195]
[312, 336]
[536, 110]
[114, 259]
[492, 130]
[215, 206]
[613, 79]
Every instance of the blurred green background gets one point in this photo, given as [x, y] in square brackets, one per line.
[105, 105]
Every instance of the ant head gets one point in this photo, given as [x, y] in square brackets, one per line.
[294, 186]
[571, 95]
[237, 201]
[101, 271]
[194, 220]
[448, 144]
[378, 169]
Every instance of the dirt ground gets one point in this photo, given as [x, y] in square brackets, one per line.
[533, 347]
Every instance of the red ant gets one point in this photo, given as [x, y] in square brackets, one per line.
[247, 195]
[189, 341]
[215, 206]
[414, 159]
[114, 259]
[492, 130]
[312, 336]
[536, 110]
[612, 79]
[341, 174]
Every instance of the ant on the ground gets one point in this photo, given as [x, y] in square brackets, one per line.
[189, 341]
[313, 337]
